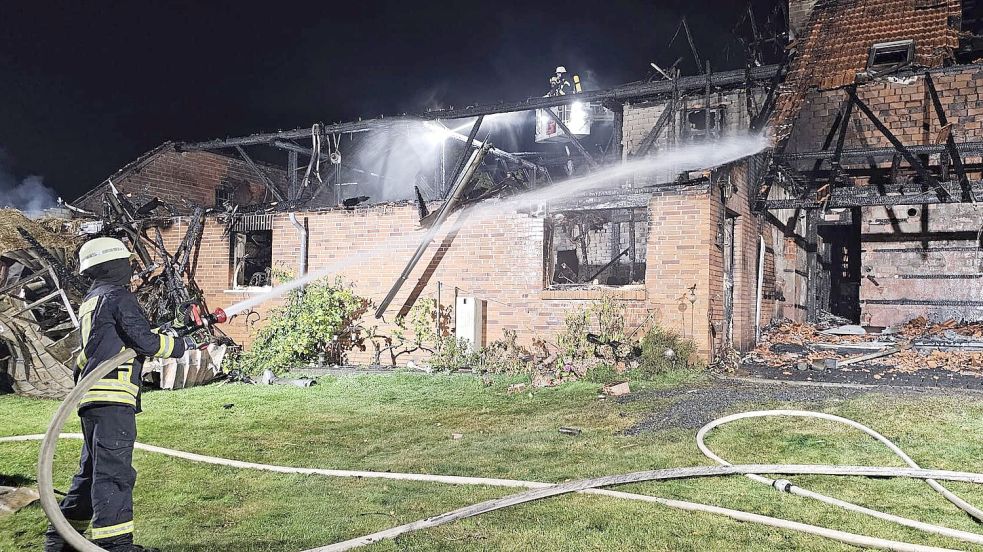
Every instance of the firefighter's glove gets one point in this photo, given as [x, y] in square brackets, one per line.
[195, 342]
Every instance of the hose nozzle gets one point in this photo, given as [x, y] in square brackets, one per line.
[217, 316]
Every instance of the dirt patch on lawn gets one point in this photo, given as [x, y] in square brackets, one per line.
[692, 407]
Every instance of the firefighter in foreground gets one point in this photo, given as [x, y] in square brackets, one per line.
[101, 493]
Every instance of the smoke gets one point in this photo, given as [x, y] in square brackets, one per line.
[394, 161]
[29, 194]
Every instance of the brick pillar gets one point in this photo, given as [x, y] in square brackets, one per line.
[682, 234]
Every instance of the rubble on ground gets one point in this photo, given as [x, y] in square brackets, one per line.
[15, 498]
[40, 291]
[918, 344]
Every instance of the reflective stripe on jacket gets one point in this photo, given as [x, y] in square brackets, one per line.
[111, 320]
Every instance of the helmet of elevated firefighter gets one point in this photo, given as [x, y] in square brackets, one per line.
[101, 250]
[560, 70]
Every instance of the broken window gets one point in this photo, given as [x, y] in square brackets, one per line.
[695, 127]
[224, 195]
[885, 56]
[596, 247]
[252, 251]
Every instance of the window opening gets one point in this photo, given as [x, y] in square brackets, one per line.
[886, 56]
[224, 195]
[603, 247]
[252, 258]
[696, 127]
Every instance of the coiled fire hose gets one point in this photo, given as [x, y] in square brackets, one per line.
[539, 490]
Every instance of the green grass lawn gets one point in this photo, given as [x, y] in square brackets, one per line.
[404, 423]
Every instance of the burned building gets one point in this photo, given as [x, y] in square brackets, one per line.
[862, 205]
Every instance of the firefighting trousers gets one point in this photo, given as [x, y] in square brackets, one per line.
[102, 491]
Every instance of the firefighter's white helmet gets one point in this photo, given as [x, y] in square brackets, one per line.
[101, 250]
[561, 69]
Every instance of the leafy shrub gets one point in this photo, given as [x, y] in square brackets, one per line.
[656, 342]
[506, 356]
[453, 354]
[320, 318]
[586, 328]
[417, 331]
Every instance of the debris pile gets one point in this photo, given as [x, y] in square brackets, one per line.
[40, 291]
[38, 294]
[916, 345]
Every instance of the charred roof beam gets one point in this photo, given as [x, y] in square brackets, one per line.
[916, 163]
[266, 179]
[653, 135]
[965, 147]
[269, 137]
[626, 92]
[950, 142]
[850, 197]
[493, 151]
[633, 91]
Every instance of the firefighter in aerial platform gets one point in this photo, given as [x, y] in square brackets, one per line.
[111, 320]
[560, 86]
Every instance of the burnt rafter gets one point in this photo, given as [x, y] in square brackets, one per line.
[868, 196]
[761, 118]
[915, 163]
[860, 153]
[840, 126]
[950, 142]
[653, 135]
[800, 184]
[259, 172]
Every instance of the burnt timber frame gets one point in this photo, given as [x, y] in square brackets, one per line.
[660, 125]
[916, 163]
[284, 139]
[618, 94]
[847, 197]
[840, 194]
[266, 179]
[835, 188]
[950, 142]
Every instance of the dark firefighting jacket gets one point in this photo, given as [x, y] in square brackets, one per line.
[112, 320]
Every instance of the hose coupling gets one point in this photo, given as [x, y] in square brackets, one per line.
[783, 485]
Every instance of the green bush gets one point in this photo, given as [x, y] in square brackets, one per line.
[604, 318]
[654, 359]
[453, 354]
[417, 331]
[506, 356]
[320, 318]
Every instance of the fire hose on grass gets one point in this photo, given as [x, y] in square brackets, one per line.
[539, 490]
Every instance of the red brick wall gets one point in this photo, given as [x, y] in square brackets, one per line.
[183, 179]
[681, 242]
[498, 259]
[899, 249]
[923, 256]
[902, 106]
[780, 282]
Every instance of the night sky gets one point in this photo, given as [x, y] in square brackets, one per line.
[86, 87]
